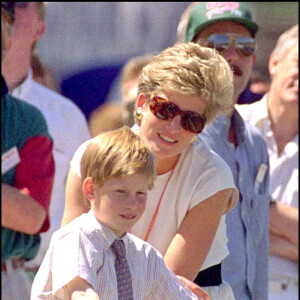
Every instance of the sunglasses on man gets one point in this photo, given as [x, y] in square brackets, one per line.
[245, 45]
[165, 110]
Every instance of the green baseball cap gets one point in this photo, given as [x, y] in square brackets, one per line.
[206, 13]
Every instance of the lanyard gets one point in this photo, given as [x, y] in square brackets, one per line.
[159, 202]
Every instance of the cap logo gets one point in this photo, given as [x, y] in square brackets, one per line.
[220, 7]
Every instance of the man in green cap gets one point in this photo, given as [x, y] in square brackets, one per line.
[228, 27]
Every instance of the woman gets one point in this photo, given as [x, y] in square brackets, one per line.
[184, 87]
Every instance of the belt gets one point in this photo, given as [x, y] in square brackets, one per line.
[209, 277]
[12, 264]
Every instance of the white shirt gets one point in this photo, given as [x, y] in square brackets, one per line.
[200, 173]
[283, 174]
[68, 129]
[82, 248]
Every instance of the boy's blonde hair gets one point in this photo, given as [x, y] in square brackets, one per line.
[117, 153]
[190, 69]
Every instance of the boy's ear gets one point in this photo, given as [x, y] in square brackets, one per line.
[88, 189]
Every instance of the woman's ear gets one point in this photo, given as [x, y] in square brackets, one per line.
[141, 101]
[88, 189]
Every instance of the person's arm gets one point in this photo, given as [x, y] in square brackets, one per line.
[195, 235]
[284, 221]
[75, 204]
[79, 286]
[196, 289]
[25, 206]
[20, 212]
[280, 246]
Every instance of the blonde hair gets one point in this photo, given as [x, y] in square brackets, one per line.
[117, 153]
[286, 41]
[190, 69]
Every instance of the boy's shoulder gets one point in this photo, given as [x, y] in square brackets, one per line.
[83, 226]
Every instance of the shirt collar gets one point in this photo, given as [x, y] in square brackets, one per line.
[261, 110]
[108, 235]
[238, 126]
[220, 126]
[24, 86]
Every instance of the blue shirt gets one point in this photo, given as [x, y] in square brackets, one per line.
[246, 267]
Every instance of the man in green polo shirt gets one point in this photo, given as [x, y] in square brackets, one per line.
[27, 179]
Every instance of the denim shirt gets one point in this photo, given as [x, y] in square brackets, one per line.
[246, 267]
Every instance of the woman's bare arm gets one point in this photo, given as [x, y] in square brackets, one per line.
[75, 204]
[195, 235]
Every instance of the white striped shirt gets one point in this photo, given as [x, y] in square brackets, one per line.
[283, 167]
[82, 248]
[284, 175]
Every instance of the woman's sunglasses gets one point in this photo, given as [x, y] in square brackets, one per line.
[165, 110]
[245, 45]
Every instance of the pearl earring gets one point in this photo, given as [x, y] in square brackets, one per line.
[194, 139]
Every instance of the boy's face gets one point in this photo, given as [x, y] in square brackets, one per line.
[120, 202]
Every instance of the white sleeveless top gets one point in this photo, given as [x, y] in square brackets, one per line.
[199, 174]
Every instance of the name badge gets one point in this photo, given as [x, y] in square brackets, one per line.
[260, 176]
[10, 159]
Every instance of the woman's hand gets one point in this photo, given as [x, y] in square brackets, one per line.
[196, 289]
[75, 204]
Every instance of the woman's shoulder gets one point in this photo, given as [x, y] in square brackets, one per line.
[201, 155]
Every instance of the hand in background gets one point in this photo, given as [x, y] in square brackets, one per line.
[196, 289]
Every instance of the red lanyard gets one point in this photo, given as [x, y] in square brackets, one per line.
[159, 202]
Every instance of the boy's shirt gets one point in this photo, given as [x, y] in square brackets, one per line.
[83, 248]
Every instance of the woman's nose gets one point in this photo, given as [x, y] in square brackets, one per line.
[175, 123]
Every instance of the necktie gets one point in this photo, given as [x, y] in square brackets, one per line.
[122, 271]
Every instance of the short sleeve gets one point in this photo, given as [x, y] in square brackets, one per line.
[35, 172]
[213, 179]
[75, 162]
[73, 255]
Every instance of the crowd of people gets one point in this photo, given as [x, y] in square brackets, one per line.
[198, 200]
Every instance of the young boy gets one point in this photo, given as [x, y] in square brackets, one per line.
[118, 169]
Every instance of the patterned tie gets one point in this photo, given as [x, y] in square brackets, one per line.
[122, 271]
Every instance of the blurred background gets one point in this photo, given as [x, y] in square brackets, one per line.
[87, 43]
